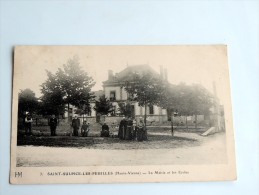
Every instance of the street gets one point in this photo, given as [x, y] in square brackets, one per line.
[194, 150]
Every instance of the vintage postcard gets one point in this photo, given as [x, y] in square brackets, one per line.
[121, 114]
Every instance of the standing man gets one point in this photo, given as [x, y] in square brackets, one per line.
[28, 124]
[75, 125]
[129, 129]
[122, 128]
[53, 122]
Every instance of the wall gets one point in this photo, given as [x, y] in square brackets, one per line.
[93, 112]
[113, 119]
[124, 94]
[108, 89]
[90, 120]
[181, 120]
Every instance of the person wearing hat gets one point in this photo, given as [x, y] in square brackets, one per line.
[53, 122]
[129, 129]
[28, 124]
[75, 125]
[122, 128]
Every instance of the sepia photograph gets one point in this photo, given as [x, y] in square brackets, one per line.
[104, 114]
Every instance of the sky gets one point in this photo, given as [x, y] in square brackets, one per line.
[202, 64]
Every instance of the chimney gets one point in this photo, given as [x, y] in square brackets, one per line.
[165, 74]
[161, 72]
[110, 74]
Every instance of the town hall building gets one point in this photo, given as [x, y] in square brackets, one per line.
[114, 91]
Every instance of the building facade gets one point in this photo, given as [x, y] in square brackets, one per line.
[114, 91]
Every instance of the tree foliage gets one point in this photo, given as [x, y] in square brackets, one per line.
[125, 109]
[103, 106]
[187, 99]
[52, 101]
[27, 102]
[193, 99]
[70, 85]
[75, 83]
[146, 89]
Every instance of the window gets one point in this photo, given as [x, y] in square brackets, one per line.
[113, 95]
[151, 110]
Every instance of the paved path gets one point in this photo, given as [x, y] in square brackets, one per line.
[211, 150]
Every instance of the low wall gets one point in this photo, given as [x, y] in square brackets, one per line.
[90, 120]
[151, 119]
[107, 119]
[113, 119]
[181, 120]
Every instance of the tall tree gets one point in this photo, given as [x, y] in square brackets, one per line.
[84, 109]
[146, 89]
[169, 101]
[202, 101]
[125, 109]
[27, 102]
[192, 100]
[52, 101]
[186, 100]
[71, 83]
[103, 106]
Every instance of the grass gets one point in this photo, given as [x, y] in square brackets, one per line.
[157, 139]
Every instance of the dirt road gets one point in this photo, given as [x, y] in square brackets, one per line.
[204, 150]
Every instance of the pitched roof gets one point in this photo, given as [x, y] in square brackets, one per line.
[128, 72]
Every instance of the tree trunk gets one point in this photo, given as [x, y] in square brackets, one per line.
[58, 117]
[68, 113]
[145, 115]
[145, 121]
[196, 122]
[172, 124]
[186, 123]
[68, 120]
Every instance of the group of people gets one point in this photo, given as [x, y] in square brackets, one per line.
[129, 129]
[85, 128]
[53, 123]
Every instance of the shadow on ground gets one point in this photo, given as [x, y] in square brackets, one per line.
[155, 141]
